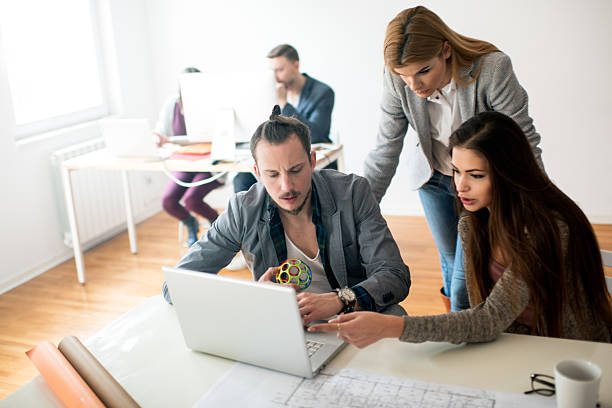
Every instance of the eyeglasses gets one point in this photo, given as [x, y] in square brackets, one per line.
[547, 387]
[544, 380]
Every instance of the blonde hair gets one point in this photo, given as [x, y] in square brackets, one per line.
[418, 34]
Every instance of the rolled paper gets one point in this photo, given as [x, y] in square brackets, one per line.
[112, 394]
[62, 378]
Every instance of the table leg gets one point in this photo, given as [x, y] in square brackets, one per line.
[74, 229]
[128, 212]
[340, 159]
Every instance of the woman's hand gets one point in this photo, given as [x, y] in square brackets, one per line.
[362, 328]
[161, 139]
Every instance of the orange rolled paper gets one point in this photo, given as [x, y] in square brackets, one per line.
[63, 379]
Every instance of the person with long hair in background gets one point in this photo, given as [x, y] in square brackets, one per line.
[533, 265]
[434, 80]
[169, 128]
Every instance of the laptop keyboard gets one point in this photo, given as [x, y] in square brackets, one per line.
[313, 347]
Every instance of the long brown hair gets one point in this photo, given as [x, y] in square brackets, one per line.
[418, 34]
[526, 213]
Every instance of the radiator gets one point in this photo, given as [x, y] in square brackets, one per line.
[98, 197]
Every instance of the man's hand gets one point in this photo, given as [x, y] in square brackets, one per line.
[281, 94]
[268, 277]
[362, 328]
[317, 306]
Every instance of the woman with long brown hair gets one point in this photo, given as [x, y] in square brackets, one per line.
[434, 80]
[532, 261]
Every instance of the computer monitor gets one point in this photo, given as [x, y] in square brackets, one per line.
[226, 107]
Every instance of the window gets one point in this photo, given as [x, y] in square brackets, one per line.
[52, 56]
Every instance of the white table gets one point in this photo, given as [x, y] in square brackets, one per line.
[103, 160]
[145, 352]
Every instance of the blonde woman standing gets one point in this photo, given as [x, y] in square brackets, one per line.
[434, 80]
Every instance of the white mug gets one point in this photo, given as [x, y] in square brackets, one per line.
[577, 384]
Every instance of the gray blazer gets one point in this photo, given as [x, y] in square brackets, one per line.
[360, 246]
[496, 89]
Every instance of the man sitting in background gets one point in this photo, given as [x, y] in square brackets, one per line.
[300, 96]
[325, 218]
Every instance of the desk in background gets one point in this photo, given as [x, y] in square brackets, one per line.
[144, 350]
[103, 160]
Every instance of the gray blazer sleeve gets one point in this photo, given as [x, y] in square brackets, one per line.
[506, 95]
[388, 278]
[215, 249]
[381, 163]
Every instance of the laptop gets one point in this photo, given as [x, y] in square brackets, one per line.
[129, 138]
[251, 322]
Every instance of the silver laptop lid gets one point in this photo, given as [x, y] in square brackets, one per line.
[242, 320]
[129, 138]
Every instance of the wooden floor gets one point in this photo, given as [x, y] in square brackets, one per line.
[55, 305]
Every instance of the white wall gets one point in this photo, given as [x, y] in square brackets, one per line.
[31, 235]
[562, 54]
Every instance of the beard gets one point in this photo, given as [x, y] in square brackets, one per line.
[299, 208]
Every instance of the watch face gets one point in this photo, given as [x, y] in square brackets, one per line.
[347, 295]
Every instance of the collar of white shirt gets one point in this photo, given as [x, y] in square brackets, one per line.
[445, 92]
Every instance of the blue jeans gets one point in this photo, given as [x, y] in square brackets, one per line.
[438, 199]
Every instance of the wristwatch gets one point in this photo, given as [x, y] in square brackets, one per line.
[347, 296]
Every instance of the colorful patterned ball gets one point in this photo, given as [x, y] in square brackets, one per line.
[294, 271]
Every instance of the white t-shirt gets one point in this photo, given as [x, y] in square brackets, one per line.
[445, 118]
[294, 100]
[319, 283]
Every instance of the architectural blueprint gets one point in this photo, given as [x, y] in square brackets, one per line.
[246, 385]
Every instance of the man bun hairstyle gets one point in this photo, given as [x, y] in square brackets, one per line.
[280, 128]
[276, 111]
